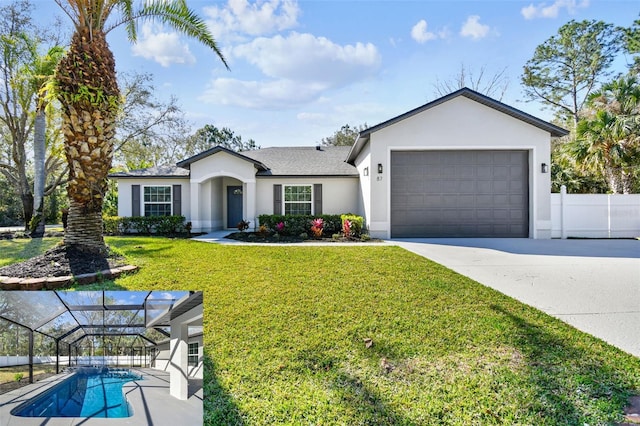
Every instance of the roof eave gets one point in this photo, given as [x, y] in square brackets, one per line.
[211, 151]
[554, 130]
[358, 145]
[148, 176]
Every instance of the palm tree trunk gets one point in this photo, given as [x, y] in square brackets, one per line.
[89, 95]
[84, 228]
[39, 178]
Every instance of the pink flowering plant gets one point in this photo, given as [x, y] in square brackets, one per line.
[280, 227]
[317, 227]
[346, 228]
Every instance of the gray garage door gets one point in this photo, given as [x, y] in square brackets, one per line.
[459, 194]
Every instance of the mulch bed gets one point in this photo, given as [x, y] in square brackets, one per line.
[62, 261]
[256, 237]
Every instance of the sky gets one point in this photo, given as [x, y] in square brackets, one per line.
[301, 69]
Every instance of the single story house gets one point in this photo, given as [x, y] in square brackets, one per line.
[464, 165]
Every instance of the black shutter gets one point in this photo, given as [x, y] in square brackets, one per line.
[135, 200]
[177, 200]
[277, 199]
[317, 198]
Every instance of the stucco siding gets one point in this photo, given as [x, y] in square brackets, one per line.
[161, 361]
[367, 174]
[124, 193]
[222, 164]
[460, 123]
[339, 194]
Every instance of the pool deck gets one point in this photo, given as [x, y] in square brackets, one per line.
[149, 398]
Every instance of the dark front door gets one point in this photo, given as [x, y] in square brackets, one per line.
[234, 206]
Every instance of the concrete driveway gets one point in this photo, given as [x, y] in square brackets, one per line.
[593, 285]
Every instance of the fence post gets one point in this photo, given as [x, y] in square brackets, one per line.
[563, 216]
[608, 215]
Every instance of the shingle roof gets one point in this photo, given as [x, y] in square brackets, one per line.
[276, 161]
[304, 161]
[166, 171]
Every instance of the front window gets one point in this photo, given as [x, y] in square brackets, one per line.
[297, 199]
[193, 354]
[157, 200]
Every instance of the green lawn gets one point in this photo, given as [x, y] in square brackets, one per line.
[285, 329]
[12, 251]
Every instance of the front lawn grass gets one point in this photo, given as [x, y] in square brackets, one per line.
[19, 249]
[284, 338]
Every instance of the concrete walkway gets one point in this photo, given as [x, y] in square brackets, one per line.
[218, 237]
[593, 285]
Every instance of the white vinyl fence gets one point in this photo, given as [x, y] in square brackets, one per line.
[595, 215]
[138, 359]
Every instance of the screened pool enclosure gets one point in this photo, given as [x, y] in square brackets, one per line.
[44, 332]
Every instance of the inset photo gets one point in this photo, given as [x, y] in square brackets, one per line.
[80, 357]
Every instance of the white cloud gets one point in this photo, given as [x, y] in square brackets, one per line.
[305, 57]
[420, 34]
[300, 67]
[473, 28]
[542, 10]
[281, 94]
[163, 47]
[258, 18]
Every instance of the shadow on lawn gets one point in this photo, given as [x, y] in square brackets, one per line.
[368, 405]
[219, 407]
[569, 382]
[352, 391]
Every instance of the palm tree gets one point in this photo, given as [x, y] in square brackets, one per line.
[40, 73]
[88, 91]
[608, 138]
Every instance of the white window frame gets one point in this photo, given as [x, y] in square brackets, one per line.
[144, 202]
[190, 356]
[285, 202]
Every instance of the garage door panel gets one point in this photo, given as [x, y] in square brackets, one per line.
[483, 172]
[465, 200]
[467, 215]
[500, 172]
[484, 187]
[459, 194]
[448, 201]
[500, 187]
[501, 214]
[485, 201]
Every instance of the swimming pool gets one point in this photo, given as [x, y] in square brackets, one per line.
[85, 394]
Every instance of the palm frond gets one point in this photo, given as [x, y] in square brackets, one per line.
[174, 13]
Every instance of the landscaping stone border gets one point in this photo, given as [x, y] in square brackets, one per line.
[632, 412]
[54, 283]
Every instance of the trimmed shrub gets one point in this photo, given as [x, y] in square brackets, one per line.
[357, 223]
[299, 224]
[163, 225]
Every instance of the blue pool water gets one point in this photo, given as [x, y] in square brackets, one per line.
[82, 395]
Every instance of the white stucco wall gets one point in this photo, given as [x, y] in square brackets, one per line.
[367, 174]
[161, 362]
[209, 178]
[459, 123]
[124, 193]
[339, 194]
